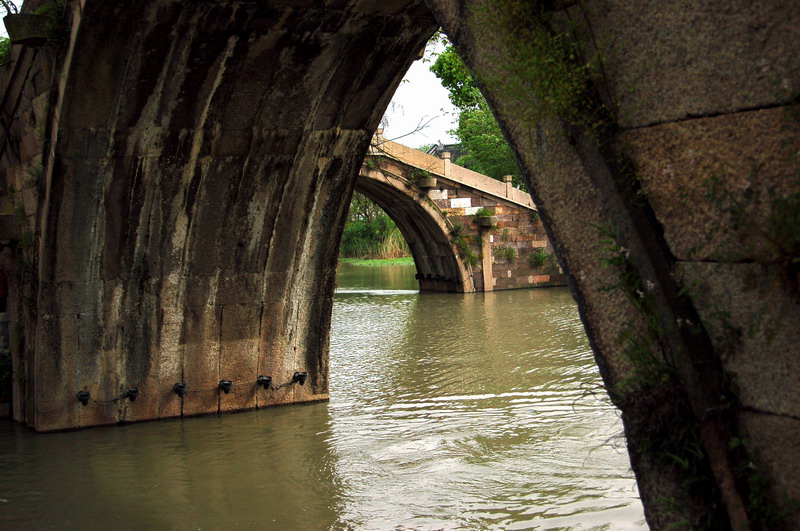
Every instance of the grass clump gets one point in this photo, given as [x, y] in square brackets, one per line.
[539, 258]
[484, 212]
[5, 50]
[405, 260]
[371, 233]
[461, 240]
[504, 252]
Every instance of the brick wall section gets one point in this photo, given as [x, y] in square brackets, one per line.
[516, 229]
[459, 193]
[521, 254]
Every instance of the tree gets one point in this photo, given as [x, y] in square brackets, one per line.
[486, 149]
[370, 232]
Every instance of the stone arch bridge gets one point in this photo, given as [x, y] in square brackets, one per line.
[174, 192]
[434, 204]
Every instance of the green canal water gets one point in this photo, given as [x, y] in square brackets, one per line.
[447, 412]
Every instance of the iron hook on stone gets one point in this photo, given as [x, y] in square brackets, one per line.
[264, 381]
[131, 393]
[83, 397]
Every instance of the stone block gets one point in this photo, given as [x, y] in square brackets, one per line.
[170, 364]
[773, 440]
[238, 288]
[56, 407]
[201, 334]
[751, 318]
[79, 233]
[40, 105]
[29, 145]
[30, 201]
[670, 60]
[67, 297]
[239, 354]
[232, 142]
[200, 290]
[713, 182]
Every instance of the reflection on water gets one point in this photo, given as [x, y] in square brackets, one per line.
[472, 411]
[447, 411]
[242, 470]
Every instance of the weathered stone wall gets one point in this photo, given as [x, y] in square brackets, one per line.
[513, 252]
[660, 146]
[202, 154]
[29, 93]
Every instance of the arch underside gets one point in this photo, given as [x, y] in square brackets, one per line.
[194, 217]
[198, 181]
[424, 228]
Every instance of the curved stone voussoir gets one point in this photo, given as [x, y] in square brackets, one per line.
[206, 154]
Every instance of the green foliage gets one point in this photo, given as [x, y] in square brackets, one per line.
[640, 344]
[665, 426]
[504, 252]
[369, 232]
[545, 61]
[486, 149]
[539, 258]
[5, 50]
[484, 212]
[457, 79]
[405, 260]
[57, 30]
[418, 174]
[461, 240]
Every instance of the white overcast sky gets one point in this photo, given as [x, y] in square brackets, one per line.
[419, 100]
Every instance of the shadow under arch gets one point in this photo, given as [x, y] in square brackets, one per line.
[424, 227]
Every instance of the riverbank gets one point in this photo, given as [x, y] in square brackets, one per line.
[378, 261]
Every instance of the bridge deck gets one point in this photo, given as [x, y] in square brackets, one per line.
[444, 169]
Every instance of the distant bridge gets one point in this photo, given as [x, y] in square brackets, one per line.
[434, 204]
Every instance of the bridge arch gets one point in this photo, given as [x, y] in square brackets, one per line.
[191, 206]
[423, 225]
[195, 160]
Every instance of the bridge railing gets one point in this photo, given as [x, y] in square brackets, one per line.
[443, 168]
